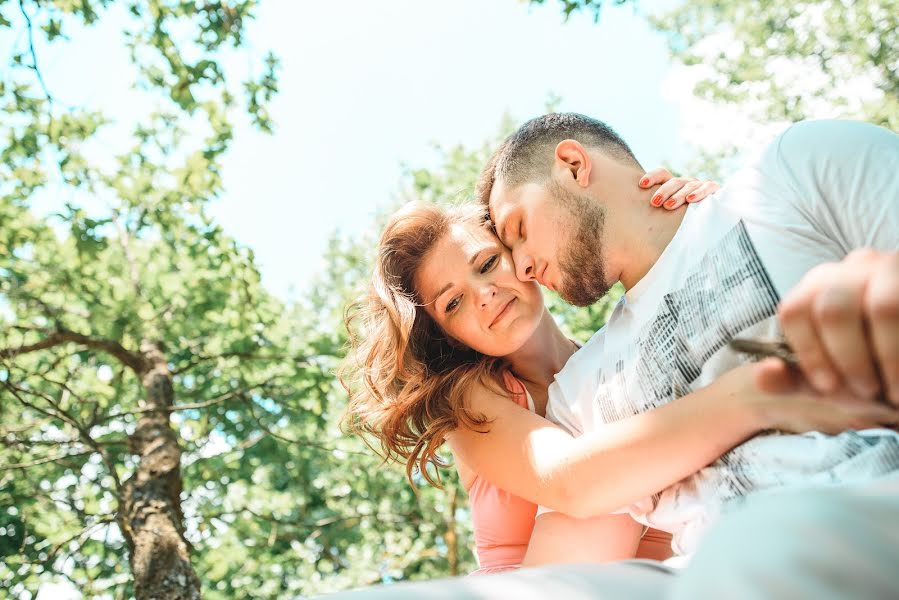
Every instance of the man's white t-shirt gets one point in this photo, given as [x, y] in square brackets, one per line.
[820, 190]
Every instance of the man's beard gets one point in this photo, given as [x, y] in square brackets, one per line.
[581, 263]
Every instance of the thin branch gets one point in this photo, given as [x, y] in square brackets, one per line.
[125, 241]
[317, 524]
[64, 336]
[17, 391]
[241, 447]
[55, 550]
[34, 64]
[61, 414]
[177, 407]
[13, 429]
[196, 361]
[43, 461]
[305, 443]
[20, 443]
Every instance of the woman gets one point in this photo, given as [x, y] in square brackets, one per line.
[436, 360]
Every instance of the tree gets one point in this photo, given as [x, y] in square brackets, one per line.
[794, 60]
[149, 384]
[167, 426]
[768, 64]
[103, 311]
[570, 7]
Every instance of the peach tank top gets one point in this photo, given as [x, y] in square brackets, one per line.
[503, 522]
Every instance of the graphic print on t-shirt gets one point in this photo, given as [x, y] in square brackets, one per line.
[727, 292]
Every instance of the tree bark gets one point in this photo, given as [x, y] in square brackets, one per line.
[151, 517]
[452, 538]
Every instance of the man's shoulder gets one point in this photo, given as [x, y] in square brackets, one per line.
[807, 139]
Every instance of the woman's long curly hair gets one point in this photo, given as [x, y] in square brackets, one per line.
[406, 379]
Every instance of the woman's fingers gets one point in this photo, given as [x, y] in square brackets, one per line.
[655, 177]
[673, 191]
[679, 197]
[706, 189]
[668, 189]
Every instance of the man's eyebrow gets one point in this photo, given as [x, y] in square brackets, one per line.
[503, 234]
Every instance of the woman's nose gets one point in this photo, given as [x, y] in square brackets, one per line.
[486, 295]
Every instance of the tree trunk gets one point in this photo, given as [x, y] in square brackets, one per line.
[151, 518]
[452, 538]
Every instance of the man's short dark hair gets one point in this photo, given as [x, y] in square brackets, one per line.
[526, 155]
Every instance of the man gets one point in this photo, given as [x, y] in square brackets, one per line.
[558, 192]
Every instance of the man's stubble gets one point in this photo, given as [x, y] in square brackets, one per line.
[581, 261]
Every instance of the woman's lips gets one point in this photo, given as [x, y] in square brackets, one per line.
[502, 313]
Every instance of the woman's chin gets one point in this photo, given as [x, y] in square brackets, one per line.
[513, 339]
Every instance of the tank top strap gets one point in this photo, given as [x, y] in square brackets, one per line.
[519, 392]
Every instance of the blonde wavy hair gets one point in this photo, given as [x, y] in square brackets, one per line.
[406, 378]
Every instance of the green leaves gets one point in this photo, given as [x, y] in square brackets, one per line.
[132, 255]
[792, 61]
[594, 7]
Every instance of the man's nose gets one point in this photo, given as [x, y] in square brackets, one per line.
[524, 264]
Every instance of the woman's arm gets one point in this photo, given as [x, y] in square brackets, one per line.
[558, 538]
[630, 459]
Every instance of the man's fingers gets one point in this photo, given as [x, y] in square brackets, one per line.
[881, 304]
[795, 315]
[837, 310]
[706, 189]
[868, 415]
[774, 376]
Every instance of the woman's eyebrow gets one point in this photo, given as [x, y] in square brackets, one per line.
[440, 293]
[475, 256]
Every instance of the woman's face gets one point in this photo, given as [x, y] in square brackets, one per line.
[468, 285]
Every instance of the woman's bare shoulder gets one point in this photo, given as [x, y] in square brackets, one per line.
[488, 397]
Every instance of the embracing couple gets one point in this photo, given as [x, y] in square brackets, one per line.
[772, 479]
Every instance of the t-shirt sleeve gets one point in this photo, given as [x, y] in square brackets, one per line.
[559, 411]
[842, 175]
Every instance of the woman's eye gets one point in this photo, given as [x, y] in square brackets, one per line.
[451, 306]
[489, 263]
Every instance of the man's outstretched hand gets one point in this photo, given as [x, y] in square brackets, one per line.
[842, 321]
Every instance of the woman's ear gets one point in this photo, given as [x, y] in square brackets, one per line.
[574, 161]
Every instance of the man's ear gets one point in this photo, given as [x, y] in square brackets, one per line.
[575, 161]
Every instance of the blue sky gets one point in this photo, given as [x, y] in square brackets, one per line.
[367, 87]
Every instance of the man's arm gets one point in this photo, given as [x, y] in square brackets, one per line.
[842, 319]
[558, 538]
